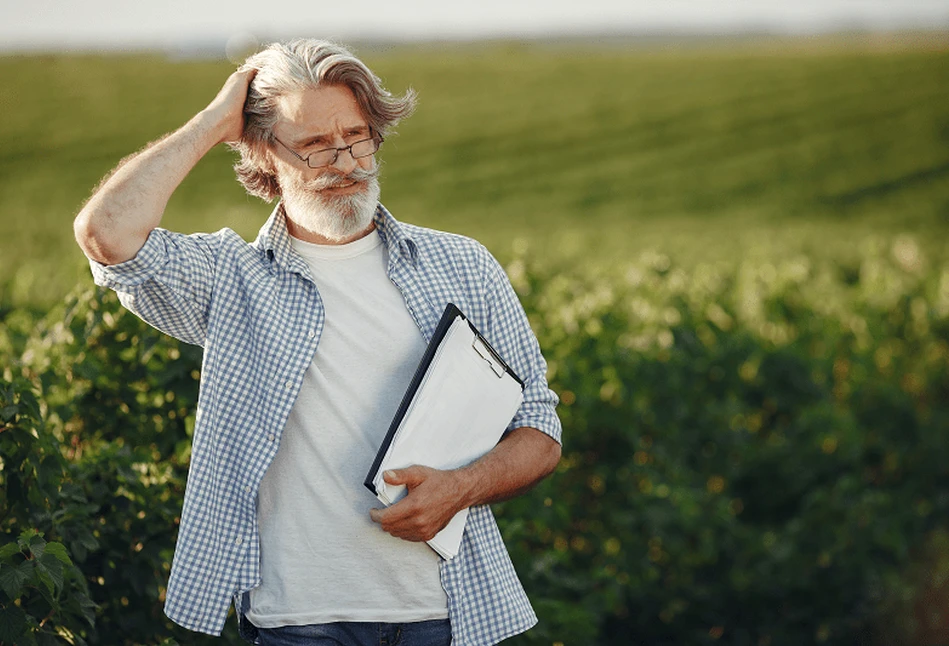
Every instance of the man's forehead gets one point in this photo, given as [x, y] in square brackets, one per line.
[318, 111]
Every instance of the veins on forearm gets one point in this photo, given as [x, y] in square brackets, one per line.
[524, 457]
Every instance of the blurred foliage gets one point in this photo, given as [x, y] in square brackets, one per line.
[43, 595]
[704, 150]
[117, 404]
[754, 454]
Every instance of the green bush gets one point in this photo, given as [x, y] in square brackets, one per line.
[754, 454]
[118, 403]
[43, 595]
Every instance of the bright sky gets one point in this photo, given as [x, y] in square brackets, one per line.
[173, 24]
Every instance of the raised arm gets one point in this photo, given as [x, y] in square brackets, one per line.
[114, 224]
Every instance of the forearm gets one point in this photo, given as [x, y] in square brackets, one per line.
[115, 222]
[521, 459]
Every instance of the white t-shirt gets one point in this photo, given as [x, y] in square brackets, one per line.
[322, 558]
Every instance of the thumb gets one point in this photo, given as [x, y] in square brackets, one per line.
[410, 476]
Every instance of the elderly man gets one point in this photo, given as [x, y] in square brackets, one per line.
[311, 334]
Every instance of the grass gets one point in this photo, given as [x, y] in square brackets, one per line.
[586, 155]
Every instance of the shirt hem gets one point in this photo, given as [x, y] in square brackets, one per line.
[382, 616]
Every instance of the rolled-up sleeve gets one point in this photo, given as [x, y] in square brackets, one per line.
[169, 282]
[511, 334]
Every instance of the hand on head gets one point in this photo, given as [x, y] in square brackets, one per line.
[228, 106]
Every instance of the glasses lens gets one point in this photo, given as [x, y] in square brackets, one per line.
[321, 158]
[365, 148]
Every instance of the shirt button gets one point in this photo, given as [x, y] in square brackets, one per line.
[288, 385]
[311, 334]
[239, 540]
[271, 437]
[247, 489]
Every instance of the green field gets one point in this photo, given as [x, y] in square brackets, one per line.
[589, 154]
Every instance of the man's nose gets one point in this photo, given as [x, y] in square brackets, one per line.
[345, 162]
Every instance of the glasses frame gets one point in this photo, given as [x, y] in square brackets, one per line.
[373, 136]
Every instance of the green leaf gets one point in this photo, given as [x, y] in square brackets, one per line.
[45, 577]
[59, 551]
[7, 413]
[54, 567]
[87, 607]
[12, 625]
[9, 550]
[13, 578]
[26, 536]
[37, 546]
[87, 540]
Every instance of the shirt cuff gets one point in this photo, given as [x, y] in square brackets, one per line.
[544, 419]
[133, 272]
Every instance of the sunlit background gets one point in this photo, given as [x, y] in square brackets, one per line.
[728, 223]
[180, 25]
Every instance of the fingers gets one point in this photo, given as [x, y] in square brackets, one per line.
[406, 523]
[234, 91]
[409, 476]
[427, 508]
[244, 76]
[227, 107]
[409, 518]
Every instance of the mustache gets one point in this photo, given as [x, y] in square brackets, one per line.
[335, 180]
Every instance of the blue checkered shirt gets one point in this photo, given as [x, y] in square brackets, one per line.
[257, 312]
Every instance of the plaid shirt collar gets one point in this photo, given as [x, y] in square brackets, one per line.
[274, 240]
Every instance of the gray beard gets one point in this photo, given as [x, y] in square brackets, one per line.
[334, 217]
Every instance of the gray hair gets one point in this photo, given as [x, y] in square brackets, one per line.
[283, 68]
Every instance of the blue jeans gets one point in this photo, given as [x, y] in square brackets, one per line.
[358, 633]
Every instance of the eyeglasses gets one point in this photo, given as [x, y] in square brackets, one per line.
[328, 156]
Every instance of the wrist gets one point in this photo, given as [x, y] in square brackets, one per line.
[467, 485]
[213, 128]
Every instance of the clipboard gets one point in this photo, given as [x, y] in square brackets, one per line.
[460, 401]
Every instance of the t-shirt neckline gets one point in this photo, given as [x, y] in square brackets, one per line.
[352, 249]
